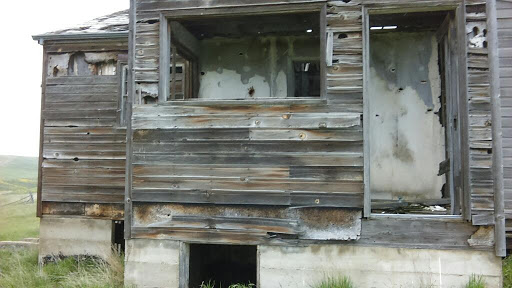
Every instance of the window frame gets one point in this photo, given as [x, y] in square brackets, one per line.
[176, 15]
[122, 71]
[461, 72]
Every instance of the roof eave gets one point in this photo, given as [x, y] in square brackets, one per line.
[85, 36]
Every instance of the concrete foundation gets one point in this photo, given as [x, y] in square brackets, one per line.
[152, 263]
[156, 263]
[75, 236]
[375, 267]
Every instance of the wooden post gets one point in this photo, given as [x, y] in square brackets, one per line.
[165, 54]
[497, 152]
[39, 209]
[366, 114]
[129, 134]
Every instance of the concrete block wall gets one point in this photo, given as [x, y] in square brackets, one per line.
[69, 236]
[375, 267]
[152, 263]
[156, 263]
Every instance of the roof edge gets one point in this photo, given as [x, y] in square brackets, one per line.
[77, 36]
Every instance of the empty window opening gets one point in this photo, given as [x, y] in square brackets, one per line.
[245, 57]
[413, 108]
[222, 264]
[118, 235]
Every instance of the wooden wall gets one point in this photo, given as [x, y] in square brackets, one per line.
[505, 52]
[278, 152]
[479, 111]
[83, 149]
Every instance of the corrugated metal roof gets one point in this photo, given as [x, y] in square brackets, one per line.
[112, 25]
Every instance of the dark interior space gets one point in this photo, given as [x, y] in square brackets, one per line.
[118, 235]
[224, 264]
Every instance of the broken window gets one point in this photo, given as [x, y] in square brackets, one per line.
[245, 57]
[82, 64]
[412, 91]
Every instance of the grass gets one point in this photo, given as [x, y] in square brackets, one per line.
[211, 284]
[19, 268]
[507, 272]
[335, 282]
[18, 180]
[16, 167]
[475, 282]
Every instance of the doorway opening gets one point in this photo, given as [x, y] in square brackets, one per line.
[222, 264]
[413, 106]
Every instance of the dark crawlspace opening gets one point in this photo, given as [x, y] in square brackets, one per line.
[222, 264]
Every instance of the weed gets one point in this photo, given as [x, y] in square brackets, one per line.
[475, 282]
[507, 272]
[336, 282]
[240, 285]
[19, 268]
[210, 284]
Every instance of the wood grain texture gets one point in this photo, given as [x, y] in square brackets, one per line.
[83, 152]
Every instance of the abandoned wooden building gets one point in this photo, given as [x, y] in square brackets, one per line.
[279, 141]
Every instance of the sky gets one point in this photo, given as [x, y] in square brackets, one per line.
[21, 62]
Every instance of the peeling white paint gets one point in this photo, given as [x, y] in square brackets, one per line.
[476, 32]
[227, 84]
[406, 135]
[58, 64]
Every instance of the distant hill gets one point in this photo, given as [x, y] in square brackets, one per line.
[16, 167]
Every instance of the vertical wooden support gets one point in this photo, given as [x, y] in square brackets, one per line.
[129, 134]
[173, 73]
[497, 152]
[323, 40]
[165, 55]
[463, 109]
[366, 114]
[39, 211]
[329, 49]
[184, 264]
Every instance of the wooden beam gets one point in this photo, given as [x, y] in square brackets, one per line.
[366, 113]
[129, 133]
[184, 40]
[184, 265]
[463, 109]
[323, 64]
[164, 60]
[497, 149]
[41, 135]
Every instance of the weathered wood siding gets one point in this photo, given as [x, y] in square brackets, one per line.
[505, 52]
[281, 152]
[83, 149]
[479, 109]
[284, 153]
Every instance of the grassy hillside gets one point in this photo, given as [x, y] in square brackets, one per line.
[18, 182]
[16, 167]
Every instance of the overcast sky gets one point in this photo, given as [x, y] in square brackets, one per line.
[21, 59]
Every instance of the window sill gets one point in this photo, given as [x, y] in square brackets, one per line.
[454, 218]
[258, 101]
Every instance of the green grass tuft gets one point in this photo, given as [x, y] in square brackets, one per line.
[475, 282]
[507, 272]
[240, 285]
[19, 268]
[211, 284]
[336, 282]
